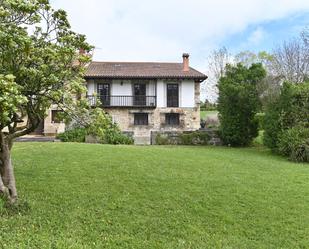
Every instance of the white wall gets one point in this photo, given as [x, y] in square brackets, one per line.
[151, 88]
[121, 87]
[186, 91]
[187, 94]
[161, 96]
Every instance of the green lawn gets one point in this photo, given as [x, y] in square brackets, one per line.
[205, 114]
[101, 196]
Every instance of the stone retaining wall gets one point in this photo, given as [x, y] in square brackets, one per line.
[176, 137]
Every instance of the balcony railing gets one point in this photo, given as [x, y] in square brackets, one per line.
[122, 101]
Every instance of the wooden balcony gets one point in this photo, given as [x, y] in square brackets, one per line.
[123, 101]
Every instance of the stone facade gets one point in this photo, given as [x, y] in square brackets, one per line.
[52, 128]
[47, 127]
[189, 120]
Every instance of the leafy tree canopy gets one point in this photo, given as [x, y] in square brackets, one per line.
[39, 66]
[238, 103]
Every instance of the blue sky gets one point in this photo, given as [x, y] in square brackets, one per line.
[161, 30]
[267, 35]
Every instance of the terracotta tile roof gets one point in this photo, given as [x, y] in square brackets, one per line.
[149, 70]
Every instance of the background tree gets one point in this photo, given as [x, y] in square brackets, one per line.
[216, 69]
[269, 87]
[247, 58]
[305, 37]
[291, 59]
[37, 54]
[238, 103]
[217, 62]
[287, 62]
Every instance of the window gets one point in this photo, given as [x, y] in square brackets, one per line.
[104, 93]
[56, 116]
[140, 119]
[139, 94]
[172, 119]
[172, 95]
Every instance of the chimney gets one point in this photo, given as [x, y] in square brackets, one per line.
[185, 58]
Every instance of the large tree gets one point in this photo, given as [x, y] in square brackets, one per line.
[39, 66]
[238, 103]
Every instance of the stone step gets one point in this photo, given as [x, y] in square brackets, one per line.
[30, 138]
[141, 140]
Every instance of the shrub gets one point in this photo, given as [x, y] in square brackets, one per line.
[100, 126]
[272, 127]
[194, 138]
[238, 103]
[260, 118]
[108, 132]
[162, 140]
[291, 109]
[118, 138]
[73, 135]
[186, 138]
[294, 143]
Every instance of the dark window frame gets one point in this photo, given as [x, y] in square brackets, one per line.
[141, 118]
[172, 95]
[139, 93]
[172, 119]
[106, 98]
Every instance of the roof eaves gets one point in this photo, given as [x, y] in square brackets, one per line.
[199, 77]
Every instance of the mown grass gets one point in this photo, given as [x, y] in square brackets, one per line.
[205, 114]
[101, 196]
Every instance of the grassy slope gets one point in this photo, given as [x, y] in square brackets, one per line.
[95, 196]
[204, 114]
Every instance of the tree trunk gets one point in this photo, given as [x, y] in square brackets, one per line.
[2, 187]
[7, 171]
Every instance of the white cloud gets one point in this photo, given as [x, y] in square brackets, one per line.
[256, 36]
[161, 30]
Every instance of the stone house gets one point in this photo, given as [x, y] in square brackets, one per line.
[142, 97]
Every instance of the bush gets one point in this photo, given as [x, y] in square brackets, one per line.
[291, 109]
[238, 103]
[108, 132]
[101, 127]
[272, 127]
[73, 135]
[117, 138]
[260, 119]
[294, 143]
[186, 138]
[162, 140]
[194, 138]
